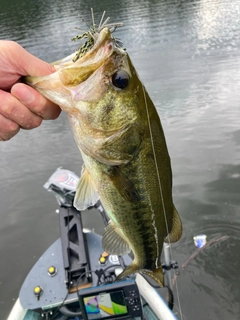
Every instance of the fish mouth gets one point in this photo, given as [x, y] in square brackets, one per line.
[72, 73]
[85, 79]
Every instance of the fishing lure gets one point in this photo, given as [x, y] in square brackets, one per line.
[92, 35]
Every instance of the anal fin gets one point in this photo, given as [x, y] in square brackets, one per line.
[113, 241]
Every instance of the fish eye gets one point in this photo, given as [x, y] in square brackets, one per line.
[120, 79]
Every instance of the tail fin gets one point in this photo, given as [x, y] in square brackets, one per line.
[155, 274]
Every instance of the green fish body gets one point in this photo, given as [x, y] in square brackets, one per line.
[126, 162]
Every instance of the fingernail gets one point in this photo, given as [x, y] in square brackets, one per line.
[29, 96]
[23, 93]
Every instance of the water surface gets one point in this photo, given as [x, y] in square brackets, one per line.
[187, 54]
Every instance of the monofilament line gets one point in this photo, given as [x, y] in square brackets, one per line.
[161, 191]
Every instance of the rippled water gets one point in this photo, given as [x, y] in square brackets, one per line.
[187, 54]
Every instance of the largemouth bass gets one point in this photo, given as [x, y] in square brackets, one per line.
[119, 134]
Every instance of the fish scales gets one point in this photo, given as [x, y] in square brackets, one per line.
[126, 162]
[135, 216]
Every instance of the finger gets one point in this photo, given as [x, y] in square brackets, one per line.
[8, 128]
[16, 62]
[35, 102]
[12, 109]
[26, 63]
[34, 66]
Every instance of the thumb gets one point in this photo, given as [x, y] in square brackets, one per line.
[30, 65]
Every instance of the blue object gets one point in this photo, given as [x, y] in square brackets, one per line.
[200, 240]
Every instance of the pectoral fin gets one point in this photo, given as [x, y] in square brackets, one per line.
[113, 241]
[86, 195]
[176, 230]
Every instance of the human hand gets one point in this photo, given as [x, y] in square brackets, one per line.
[20, 105]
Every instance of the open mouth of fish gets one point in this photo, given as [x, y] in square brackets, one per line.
[103, 50]
[97, 65]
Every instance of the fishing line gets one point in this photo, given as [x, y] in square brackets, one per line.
[161, 192]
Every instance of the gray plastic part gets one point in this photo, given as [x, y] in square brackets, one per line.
[54, 287]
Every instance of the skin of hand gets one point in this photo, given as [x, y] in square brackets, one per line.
[20, 105]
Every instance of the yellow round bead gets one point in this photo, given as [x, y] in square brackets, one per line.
[37, 290]
[102, 260]
[51, 270]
